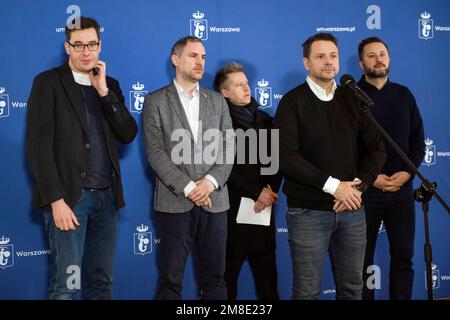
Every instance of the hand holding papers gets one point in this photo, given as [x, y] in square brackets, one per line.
[247, 214]
[251, 213]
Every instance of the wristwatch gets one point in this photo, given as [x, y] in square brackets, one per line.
[362, 186]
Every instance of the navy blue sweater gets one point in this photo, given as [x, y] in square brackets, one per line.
[99, 170]
[397, 112]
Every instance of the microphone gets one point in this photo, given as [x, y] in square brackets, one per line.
[349, 82]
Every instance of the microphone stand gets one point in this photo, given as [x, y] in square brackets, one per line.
[423, 194]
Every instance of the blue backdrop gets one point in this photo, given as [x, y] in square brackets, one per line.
[266, 37]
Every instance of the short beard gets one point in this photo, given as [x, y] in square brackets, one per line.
[372, 74]
[193, 77]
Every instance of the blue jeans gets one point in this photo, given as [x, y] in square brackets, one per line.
[88, 249]
[206, 233]
[396, 210]
[312, 234]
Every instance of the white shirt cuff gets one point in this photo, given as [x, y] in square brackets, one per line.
[213, 180]
[190, 186]
[331, 185]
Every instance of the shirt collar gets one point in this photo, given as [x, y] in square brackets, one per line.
[81, 78]
[319, 91]
[182, 91]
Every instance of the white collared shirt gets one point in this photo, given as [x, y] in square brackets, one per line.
[191, 108]
[320, 92]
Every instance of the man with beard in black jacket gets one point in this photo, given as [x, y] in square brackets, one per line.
[249, 241]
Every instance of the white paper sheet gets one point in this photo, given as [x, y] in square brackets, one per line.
[247, 214]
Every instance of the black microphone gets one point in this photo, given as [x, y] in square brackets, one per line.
[349, 82]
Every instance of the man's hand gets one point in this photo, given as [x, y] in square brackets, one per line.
[348, 195]
[266, 198]
[99, 81]
[259, 206]
[206, 203]
[398, 179]
[381, 181]
[392, 183]
[201, 192]
[65, 219]
[339, 207]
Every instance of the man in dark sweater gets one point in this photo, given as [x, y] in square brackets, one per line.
[75, 119]
[249, 241]
[329, 153]
[390, 199]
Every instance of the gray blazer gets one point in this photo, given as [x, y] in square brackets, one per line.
[173, 154]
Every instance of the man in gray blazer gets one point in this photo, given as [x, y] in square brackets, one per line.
[189, 140]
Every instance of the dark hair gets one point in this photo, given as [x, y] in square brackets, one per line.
[325, 36]
[85, 23]
[366, 42]
[222, 75]
[181, 43]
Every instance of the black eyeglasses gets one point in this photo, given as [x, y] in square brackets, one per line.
[79, 47]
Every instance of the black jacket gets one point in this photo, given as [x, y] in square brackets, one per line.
[246, 181]
[57, 136]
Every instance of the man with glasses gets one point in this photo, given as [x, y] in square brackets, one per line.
[76, 116]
